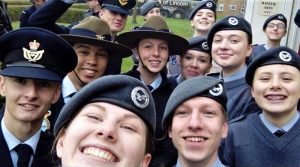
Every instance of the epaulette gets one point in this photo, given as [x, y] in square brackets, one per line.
[213, 74]
[239, 118]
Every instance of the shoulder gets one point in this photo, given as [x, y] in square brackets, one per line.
[214, 74]
[237, 119]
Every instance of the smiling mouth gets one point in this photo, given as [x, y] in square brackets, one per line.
[99, 153]
[195, 139]
[275, 97]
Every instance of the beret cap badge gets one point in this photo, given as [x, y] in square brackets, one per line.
[216, 90]
[209, 4]
[285, 56]
[123, 2]
[140, 97]
[233, 21]
[205, 46]
[33, 54]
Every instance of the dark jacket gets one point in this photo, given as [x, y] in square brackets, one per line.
[42, 155]
[25, 16]
[164, 153]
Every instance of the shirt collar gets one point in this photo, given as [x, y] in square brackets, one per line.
[155, 84]
[235, 76]
[274, 128]
[68, 88]
[12, 141]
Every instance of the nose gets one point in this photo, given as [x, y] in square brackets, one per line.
[92, 59]
[156, 52]
[194, 62]
[224, 44]
[107, 131]
[195, 121]
[31, 90]
[275, 83]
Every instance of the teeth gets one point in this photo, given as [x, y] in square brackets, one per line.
[195, 139]
[89, 71]
[104, 155]
[28, 105]
[275, 97]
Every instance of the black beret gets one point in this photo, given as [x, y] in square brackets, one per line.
[146, 7]
[277, 55]
[275, 17]
[297, 18]
[203, 5]
[120, 6]
[121, 90]
[201, 86]
[230, 23]
[199, 43]
[36, 53]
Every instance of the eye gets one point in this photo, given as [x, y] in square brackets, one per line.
[128, 127]
[94, 118]
[181, 113]
[264, 78]
[188, 57]
[21, 81]
[209, 113]
[45, 83]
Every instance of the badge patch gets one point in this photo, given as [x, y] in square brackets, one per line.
[100, 37]
[140, 97]
[280, 17]
[216, 90]
[209, 4]
[285, 56]
[205, 46]
[123, 2]
[33, 54]
[233, 21]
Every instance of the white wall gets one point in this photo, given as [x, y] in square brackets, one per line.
[256, 14]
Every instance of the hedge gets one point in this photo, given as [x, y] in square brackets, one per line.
[74, 13]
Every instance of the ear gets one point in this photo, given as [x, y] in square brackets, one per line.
[146, 160]
[2, 86]
[56, 94]
[192, 23]
[170, 132]
[249, 50]
[224, 130]
[59, 145]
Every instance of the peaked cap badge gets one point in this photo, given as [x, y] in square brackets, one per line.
[33, 54]
[100, 37]
[123, 2]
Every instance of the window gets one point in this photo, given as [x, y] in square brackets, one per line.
[232, 7]
[243, 9]
[220, 7]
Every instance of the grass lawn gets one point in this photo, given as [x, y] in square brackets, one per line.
[178, 26]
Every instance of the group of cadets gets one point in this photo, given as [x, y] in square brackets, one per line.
[225, 103]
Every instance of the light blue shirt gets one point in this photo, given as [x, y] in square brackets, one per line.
[274, 128]
[235, 76]
[68, 88]
[12, 142]
[155, 84]
[217, 163]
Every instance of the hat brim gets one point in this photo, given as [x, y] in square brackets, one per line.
[177, 44]
[117, 9]
[31, 72]
[114, 49]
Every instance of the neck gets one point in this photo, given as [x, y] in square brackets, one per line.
[22, 130]
[280, 119]
[200, 33]
[226, 72]
[147, 76]
[273, 43]
[76, 81]
[209, 162]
